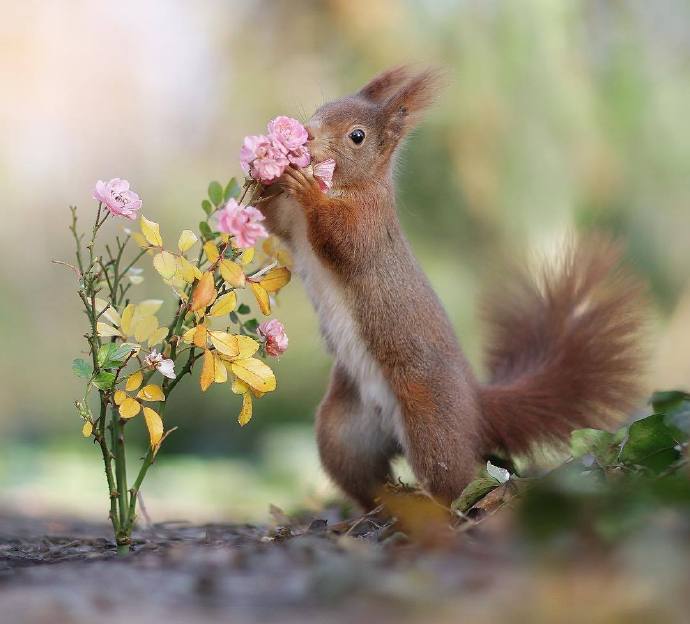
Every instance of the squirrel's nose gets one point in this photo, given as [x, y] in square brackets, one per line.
[310, 134]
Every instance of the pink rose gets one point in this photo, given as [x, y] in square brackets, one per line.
[243, 222]
[300, 156]
[165, 367]
[117, 197]
[276, 340]
[288, 132]
[323, 172]
[262, 158]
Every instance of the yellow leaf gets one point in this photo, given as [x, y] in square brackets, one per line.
[225, 343]
[220, 372]
[204, 292]
[134, 381]
[188, 336]
[261, 297]
[154, 424]
[166, 264]
[110, 313]
[87, 429]
[151, 232]
[140, 240]
[129, 408]
[151, 392]
[224, 305]
[208, 373]
[248, 346]
[119, 396]
[239, 387]
[149, 307]
[285, 258]
[127, 316]
[185, 270]
[145, 327]
[256, 393]
[158, 336]
[211, 251]
[105, 331]
[187, 240]
[200, 336]
[246, 411]
[269, 246]
[232, 273]
[255, 374]
[275, 279]
[246, 256]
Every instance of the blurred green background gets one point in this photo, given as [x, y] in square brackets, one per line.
[557, 115]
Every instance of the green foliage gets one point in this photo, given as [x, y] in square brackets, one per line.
[104, 380]
[215, 193]
[82, 368]
[615, 482]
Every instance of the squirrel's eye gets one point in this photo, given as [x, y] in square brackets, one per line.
[357, 136]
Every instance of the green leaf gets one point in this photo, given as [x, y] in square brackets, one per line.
[474, 492]
[668, 401]
[243, 309]
[205, 230]
[650, 443]
[104, 353]
[231, 190]
[111, 355]
[215, 193]
[104, 380]
[82, 369]
[251, 325]
[207, 207]
[593, 442]
[675, 405]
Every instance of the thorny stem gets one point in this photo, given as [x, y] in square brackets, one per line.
[118, 446]
[107, 461]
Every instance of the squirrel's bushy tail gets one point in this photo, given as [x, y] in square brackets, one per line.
[564, 350]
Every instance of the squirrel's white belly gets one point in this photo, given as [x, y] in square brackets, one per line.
[343, 337]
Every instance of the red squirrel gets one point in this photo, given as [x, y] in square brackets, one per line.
[562, 354]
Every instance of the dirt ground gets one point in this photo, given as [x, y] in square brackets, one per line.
[318, 569]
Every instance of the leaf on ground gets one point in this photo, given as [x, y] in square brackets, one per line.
[476, 490]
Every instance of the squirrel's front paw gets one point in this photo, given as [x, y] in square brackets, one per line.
[299, 183]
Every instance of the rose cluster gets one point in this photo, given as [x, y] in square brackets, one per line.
[265, 156]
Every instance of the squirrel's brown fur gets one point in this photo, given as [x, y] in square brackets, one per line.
[562, 353]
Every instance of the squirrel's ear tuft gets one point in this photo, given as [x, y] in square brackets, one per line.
[406, 105]
[383, 85]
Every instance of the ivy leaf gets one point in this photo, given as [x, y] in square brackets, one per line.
[600, 444]
[215, 193]
[243, 309]
[675, 405]
[650, 443]
[82, 369]
[251, 325]
[104, 380]
[231, 190]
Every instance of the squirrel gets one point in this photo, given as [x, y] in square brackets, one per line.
[563, 352]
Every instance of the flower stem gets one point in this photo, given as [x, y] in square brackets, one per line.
[118, 446]
[107, 462]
